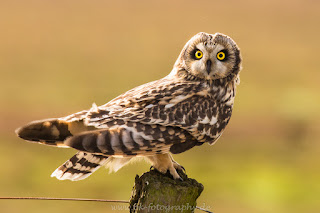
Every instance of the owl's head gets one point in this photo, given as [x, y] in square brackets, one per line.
[209, 57]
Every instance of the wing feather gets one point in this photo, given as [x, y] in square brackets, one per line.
[188, 105]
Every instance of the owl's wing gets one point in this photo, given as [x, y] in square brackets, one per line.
[158, 102]
[165, 102]
[156, 117]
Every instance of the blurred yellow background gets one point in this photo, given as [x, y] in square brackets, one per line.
[58, 57]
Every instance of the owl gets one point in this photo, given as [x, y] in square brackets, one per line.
[189, 107]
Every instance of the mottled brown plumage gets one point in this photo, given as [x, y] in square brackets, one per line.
[189, 107]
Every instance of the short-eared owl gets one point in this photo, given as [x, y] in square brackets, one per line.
[190, 106]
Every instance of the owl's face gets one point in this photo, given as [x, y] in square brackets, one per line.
[210, 56]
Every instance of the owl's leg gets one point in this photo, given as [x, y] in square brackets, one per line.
[164, 163]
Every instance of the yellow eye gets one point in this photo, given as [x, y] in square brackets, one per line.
[198, 54]
[221, 56]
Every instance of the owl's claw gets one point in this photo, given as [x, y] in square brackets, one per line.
[179, 167]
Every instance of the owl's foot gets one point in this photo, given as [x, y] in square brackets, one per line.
[178, 167]
[163, 163]
[168, 171]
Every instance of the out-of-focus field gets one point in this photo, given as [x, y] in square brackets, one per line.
[58, 57]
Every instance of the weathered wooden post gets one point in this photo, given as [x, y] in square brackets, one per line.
[156, 192]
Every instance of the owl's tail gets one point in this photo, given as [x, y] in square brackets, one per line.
[83, 164]
[80, 166]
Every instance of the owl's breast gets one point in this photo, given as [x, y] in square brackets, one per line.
[210, 127]
[214, 113]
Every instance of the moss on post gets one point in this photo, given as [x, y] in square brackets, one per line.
[156, 192]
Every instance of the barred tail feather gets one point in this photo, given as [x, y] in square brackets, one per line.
[79, 167]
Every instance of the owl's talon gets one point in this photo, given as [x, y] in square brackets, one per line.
[179, 167]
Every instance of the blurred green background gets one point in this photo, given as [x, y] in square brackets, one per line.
[58, 57]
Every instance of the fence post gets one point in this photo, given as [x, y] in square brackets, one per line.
[156, 192]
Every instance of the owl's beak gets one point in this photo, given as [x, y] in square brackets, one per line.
[208, 66]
